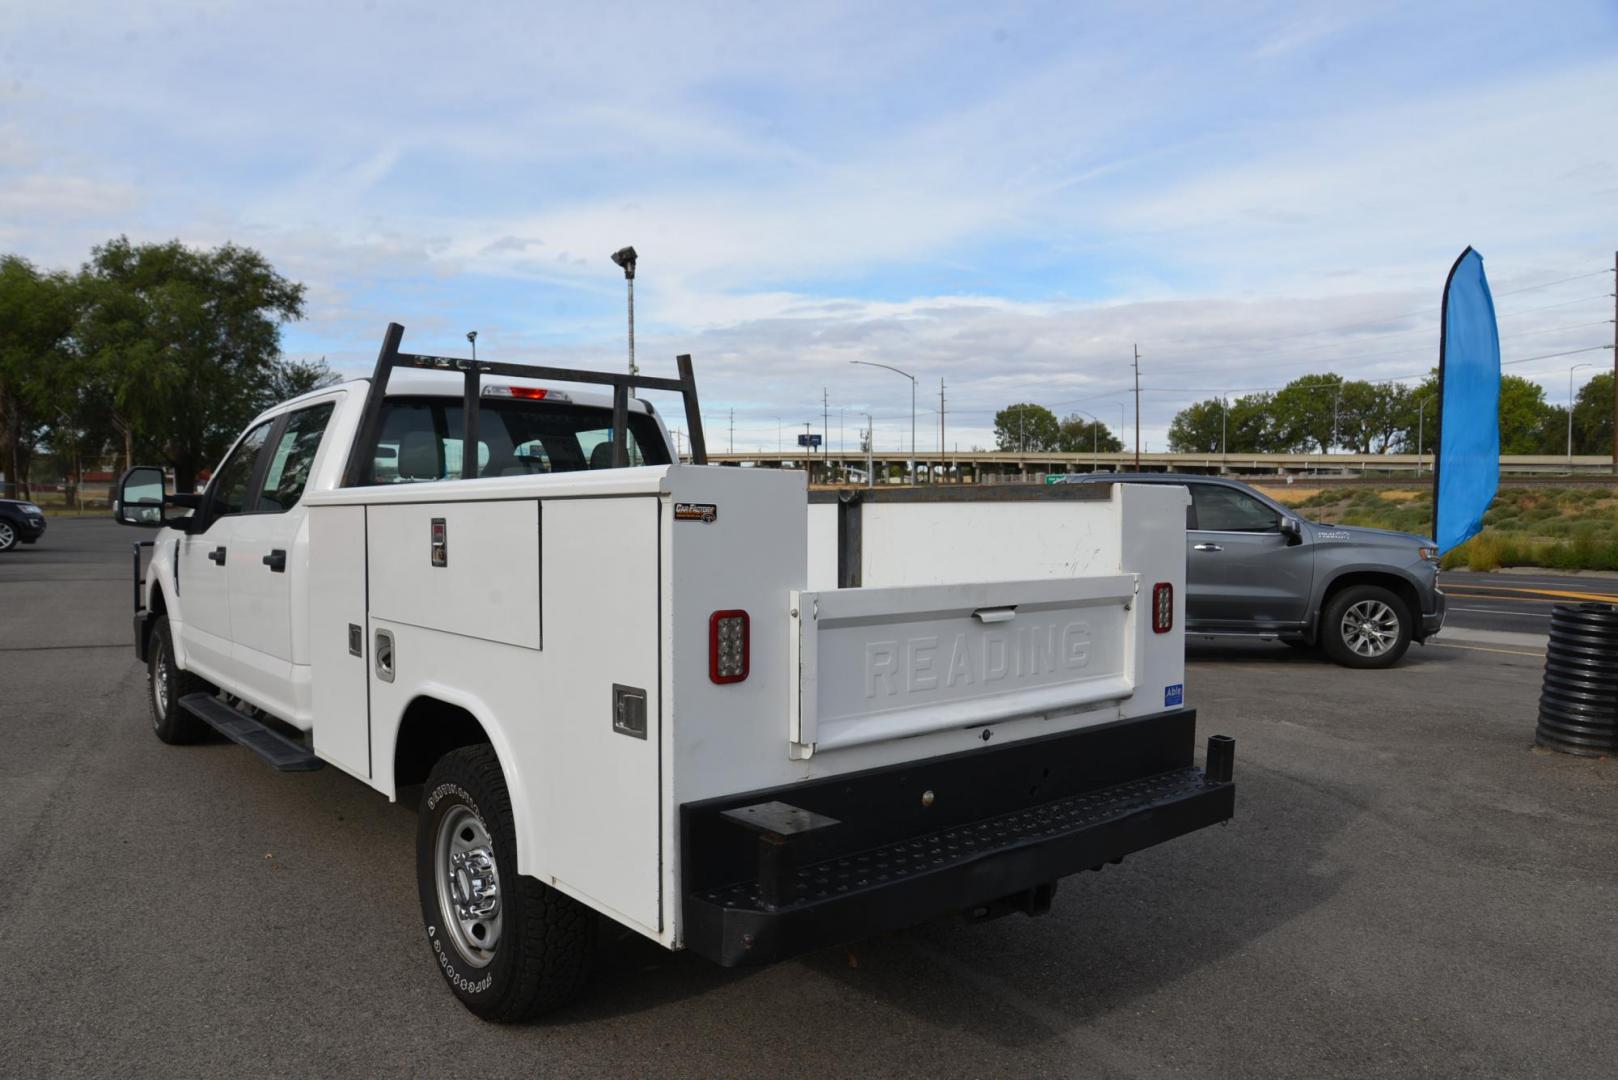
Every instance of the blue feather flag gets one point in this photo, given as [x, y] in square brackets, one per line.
[1466, 472]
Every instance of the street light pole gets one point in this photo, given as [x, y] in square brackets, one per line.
[1570, 372]
[625, 258]
[912, 378]
[870, 451]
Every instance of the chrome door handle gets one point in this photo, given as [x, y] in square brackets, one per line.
[1207, 547]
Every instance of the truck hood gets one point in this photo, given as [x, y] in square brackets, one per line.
[1357, 534]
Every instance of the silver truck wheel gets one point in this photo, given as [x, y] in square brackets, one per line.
[468, 883]
[510, 946]
[1365, 626]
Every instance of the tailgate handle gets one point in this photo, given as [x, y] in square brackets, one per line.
[995, 614]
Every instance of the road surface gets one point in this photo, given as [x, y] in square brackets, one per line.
[1407, 890]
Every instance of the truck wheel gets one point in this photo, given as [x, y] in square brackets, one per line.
[1365, 626]
[509, 946]
[166, 685]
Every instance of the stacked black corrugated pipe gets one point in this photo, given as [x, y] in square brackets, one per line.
[1578, 703]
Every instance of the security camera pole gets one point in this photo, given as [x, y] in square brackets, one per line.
[625, 258]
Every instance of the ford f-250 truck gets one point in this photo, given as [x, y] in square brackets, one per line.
[628, 686]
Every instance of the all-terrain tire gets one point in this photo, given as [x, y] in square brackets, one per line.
[1365, 626]
[166, 684]
[544, 942]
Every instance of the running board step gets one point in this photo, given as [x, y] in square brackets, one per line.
[238, 727]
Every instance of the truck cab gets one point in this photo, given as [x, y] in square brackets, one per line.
[683, 698]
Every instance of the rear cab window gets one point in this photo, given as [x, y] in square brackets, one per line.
[420, 439]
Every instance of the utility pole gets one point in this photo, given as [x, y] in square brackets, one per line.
[732, 431]
[825, 430]
[1137, 408]
[870, 451]
[1615, 363]
[941, 426]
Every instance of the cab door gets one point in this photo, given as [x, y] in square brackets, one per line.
[271, 553]
[1242, 572]
[205, 560]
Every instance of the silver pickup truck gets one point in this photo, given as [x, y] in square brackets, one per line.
[1256, 568]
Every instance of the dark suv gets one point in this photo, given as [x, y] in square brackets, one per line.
[1255, 568]
[20, 523]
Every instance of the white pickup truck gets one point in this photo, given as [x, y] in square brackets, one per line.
[685, 697]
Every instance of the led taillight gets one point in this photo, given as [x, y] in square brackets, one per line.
[1162, 607]
[728, 646]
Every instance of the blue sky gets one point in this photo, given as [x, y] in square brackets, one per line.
[1008, 197]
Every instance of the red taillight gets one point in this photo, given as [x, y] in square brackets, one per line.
[1162, 607]
[532, 393]
[728, 646]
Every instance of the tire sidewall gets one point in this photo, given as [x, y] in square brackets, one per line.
[162, 646]
[481, 989]
[8, 536]
[1331, 632]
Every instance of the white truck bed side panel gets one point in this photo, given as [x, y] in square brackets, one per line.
[936, 543]
[488, 587]
[336, 575]
[1151, 526]
[822, 546]
[596, 790]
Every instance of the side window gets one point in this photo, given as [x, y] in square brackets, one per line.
[293, 458]
[230, 486]
[1222, 509]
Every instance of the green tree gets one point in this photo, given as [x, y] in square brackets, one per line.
[1080, 435]
[1592, 416]
[185, 343]
[1528, 425]
[1304, 414]
[1199, 428]
[36, 330]
[1370, 416]
[1026, 427]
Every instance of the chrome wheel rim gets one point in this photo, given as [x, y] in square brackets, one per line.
[468, 885]
[160, 685]
[6, 535]
[1370, 628]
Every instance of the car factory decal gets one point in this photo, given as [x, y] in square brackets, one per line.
[705, 512]
[1332, 534]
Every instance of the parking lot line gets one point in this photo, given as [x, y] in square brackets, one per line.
[1480, 648]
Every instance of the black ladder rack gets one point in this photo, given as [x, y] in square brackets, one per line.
[390, 357]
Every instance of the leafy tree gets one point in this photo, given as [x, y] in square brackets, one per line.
[36, 327]
[1305, 410]
[1079, 434]
[1198, 428]
[185, 343]
[1592, 416]
[1026, 427]
[1371, 415]
[1523, 415]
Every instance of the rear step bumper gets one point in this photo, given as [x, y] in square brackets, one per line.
[776, 873]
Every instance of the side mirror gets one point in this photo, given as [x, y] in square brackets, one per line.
[140, 498]
[1292, 529]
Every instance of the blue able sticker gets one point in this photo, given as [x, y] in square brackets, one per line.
[1174, 695]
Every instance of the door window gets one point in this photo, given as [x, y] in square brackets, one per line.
[234, 481]
[293, 458]
[1222, 509]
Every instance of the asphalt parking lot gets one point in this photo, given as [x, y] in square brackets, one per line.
[1408, 889]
